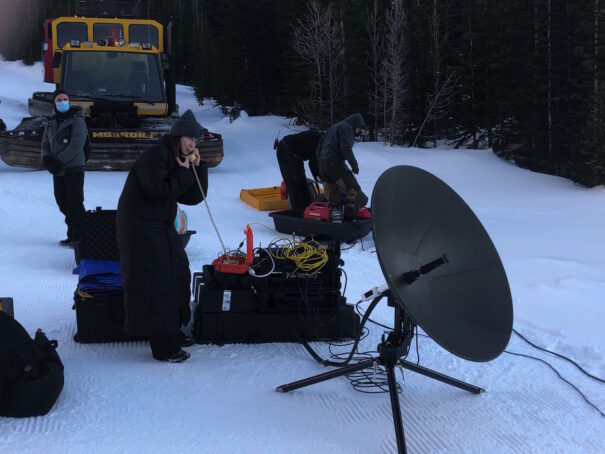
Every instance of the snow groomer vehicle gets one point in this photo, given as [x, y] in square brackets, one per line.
[121, 69]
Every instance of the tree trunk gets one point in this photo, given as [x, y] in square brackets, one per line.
[395, 70]
[596, 109]
[549, 77]
[472, 73]
[375, 37]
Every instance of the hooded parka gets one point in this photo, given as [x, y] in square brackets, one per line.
[155, 268]
[337, 143]
[335, 148]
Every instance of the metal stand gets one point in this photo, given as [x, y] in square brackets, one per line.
[390, 351]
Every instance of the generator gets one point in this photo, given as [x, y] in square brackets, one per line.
[322, 211]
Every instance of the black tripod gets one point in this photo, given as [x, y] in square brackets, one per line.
[390, 351]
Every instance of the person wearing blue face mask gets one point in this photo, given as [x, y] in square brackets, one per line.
[63, 155]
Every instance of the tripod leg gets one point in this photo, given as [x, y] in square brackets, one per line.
[325, 376]
[442, 378]
[401, 449]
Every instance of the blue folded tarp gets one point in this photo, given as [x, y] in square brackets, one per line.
[99, 276]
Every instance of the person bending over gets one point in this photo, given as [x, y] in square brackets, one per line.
[292, 152]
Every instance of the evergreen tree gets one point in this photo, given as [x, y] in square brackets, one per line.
[530, 72]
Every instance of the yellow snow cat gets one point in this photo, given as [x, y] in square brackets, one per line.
[121, 70]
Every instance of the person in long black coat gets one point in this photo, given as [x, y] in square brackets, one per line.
[155, 269]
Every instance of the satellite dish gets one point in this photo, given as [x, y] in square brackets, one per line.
[443, 273]
[421, 226]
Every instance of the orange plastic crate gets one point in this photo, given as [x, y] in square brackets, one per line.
[264, 199]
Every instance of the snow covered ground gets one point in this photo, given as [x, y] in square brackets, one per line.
[548, 231]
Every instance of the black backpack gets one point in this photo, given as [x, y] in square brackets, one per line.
[31, 372]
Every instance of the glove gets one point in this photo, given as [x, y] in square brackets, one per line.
[355, 168]
[53, 165]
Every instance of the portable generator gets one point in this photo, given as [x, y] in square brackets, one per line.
[322, 211]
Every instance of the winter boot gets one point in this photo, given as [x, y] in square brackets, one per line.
[177, 357]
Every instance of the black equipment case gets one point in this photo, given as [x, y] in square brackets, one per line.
[255, 326]
[99, 239]
[276, 308]
[99, 317]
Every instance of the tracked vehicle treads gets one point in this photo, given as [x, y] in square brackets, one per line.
[121, 70]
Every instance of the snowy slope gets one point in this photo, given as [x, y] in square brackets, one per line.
[117, 399]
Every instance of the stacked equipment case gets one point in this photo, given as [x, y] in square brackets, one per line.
[283, 306]
[100, 312]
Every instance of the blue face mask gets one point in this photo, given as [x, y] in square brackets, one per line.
[63, 106]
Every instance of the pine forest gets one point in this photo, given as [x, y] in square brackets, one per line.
[522, 77]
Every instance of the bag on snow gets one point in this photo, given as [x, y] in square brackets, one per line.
[31, 372]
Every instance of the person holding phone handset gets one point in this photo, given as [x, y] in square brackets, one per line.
[155, 268]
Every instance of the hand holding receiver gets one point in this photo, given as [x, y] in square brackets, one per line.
[182, 161]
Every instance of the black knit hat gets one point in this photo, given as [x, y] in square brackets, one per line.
[187, 125]
[59, 92]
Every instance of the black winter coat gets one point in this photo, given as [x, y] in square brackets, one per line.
[155, 268]
[302, 146]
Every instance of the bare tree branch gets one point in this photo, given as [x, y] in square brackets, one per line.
[318, 38]
[438, 104]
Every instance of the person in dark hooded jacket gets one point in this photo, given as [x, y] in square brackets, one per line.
[62, 154]
[292, 152]
[155, 269]
[335, 148]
